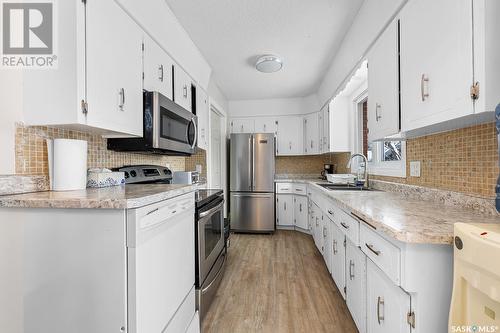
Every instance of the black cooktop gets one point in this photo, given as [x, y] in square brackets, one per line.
[203, 197]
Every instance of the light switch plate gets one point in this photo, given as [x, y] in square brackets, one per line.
[415, 168]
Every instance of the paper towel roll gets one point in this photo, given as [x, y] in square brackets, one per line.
[69, 165]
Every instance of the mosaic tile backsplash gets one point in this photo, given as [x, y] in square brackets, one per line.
[31, 151]
[463, 160]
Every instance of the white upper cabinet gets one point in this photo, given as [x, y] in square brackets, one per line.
[436, 62]
[202, 112]
[182, 88]
[242, 125]
[114, 62]
[383, 85]
[311, 134]
[290, 136]
[266, 125]
[324, 125]
[487, 54]
[98, 82]
[339, 125]
[157, 68]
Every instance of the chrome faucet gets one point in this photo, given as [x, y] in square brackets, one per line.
[366, 184]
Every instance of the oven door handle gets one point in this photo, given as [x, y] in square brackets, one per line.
[221, 269]
[212, 210]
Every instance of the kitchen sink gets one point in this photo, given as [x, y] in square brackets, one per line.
[339, 187]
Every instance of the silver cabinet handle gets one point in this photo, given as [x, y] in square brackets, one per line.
[331, 212]
[285, 205]
[344, 225]
[160, 73]
[121, 98]
[380, 318]
[264, 127]
[152, 211]
[334, 247]
[311, 144]
[317, 221]
[377, 113]
[370, 247]
[324, 232]
[351, 267]
[423, 82]
[300, 207]
[290, 144]
[185, 89]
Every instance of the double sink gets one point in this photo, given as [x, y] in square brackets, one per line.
[344, 187]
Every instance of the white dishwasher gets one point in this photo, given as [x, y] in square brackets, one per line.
[161, 266]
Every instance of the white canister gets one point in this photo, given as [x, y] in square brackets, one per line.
[67, 164]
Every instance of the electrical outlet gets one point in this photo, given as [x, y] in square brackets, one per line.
[415, 168]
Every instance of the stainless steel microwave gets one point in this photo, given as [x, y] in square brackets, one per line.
[168, 129]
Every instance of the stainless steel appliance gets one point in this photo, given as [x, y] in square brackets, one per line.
[210, 254]
[186, 177]
[168, 129]
[252, 170]
[146, 174]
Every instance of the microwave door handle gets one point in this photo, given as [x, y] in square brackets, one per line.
[195, 141]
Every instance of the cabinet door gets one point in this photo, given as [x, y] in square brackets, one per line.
[387, 305]
[202, 111]
[311, 134]
[328, 242]
[114, 69]
[242, 125]
[290, 136]
[300, 212]
[325, 132]
[157, 68]
[182, 88]
[265, 125]
[339, 125]
[356, 284]
[436, 62]
[285, 210]
[338, 258]
[383, 86]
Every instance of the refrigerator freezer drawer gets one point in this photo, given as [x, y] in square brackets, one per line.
[252, 212]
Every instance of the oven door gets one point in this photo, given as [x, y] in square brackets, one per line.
[210, 237]
[174, 128]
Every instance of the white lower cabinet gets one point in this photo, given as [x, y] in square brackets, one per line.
[355, 261]
[387, 304]
[338, 258]
[328, 242]
[300, 211]
[284, 211]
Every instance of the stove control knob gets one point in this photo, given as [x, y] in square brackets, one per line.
[167, 172]
[133, 173]
[126, 174]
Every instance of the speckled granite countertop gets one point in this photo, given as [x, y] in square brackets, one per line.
[405, 219]
[115, 197]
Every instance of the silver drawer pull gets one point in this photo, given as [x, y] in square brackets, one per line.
[344, 225]
[351, 266]
[330, 212]
[380, 302]
[370, 247]
[298, 189]
[334, 247]
[153, 211]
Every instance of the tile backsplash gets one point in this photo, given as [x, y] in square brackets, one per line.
[31, 151]
[463, 160]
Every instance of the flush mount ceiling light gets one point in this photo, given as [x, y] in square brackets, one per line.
[269, 64]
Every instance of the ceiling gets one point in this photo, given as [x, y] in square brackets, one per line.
[231, 34]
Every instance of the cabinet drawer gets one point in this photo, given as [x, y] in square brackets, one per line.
[284, 188]
[349, 226]
[299, 189]
[384, 254]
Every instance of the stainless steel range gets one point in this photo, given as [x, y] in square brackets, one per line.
[210, 240]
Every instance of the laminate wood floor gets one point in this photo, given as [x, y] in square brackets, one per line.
[277, 283]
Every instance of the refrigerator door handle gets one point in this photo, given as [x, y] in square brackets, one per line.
[250, 159]
[253, 163]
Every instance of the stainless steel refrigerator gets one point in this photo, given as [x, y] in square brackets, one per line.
[252, 182]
